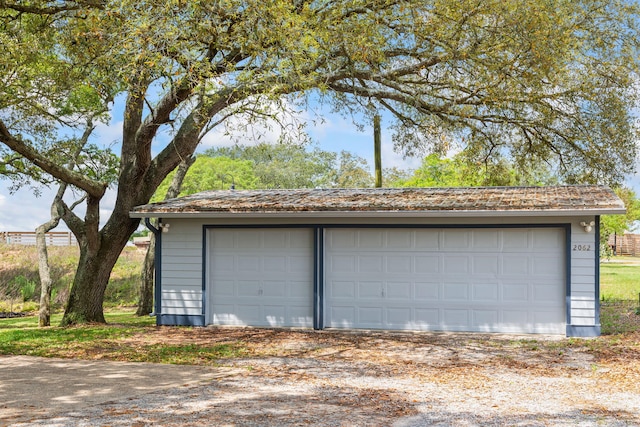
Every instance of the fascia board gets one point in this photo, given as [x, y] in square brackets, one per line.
[381, 214]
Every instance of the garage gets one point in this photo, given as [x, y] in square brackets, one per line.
[446, 279]
[261, 277]
[493, 259]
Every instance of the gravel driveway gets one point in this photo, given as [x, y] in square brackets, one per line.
[329, 378]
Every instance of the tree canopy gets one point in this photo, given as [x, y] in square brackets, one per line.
[618, 224]
[461, 171]
[529, 80]
[265, 166]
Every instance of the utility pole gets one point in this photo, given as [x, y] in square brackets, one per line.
[377, 150]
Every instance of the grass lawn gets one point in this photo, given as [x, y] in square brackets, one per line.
[620, 279]
[122, 339]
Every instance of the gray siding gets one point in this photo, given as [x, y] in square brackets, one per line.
[182, 268]
[583, 297]
[182, 263]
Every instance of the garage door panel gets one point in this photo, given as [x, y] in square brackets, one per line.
[427, 264]
[515, 292]
[427, 318]
[248, 288]
[224, 263]
[515, 265]
[371, 263]
[345, 239]
[300, 264]
[456, 240]
[515, 240]
[370, 316]
[224, 288]
[485, 240]
[399, 291]
[456, 291]
[399, 318]
[248, 263]
[485, 319]
[275, 314]
[455, 319]
[277, 289]
[545, 293]
[399, 264]
[486, 265]
[372, 240]
[274, 239]
[343, 317]
[546, 239]
[486, 292]
[298, 289]
[342, 290]
[427, 239]
[247, 240]
[261, 277]
[369, 290]
[400, 239]
[514, 318]
[343, 263]
[224, 314]
[454, 264]
[274, 264]
[450, 279]
[427, 291]
[246, 312]
[546, 265]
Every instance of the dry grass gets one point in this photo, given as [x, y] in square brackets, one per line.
[18, 261]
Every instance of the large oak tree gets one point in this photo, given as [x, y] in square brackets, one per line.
[534, 80]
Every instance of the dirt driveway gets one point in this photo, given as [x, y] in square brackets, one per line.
[329, 378]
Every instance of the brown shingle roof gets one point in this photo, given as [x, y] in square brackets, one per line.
[506, 200]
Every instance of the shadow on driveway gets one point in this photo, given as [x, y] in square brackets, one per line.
[34, 387]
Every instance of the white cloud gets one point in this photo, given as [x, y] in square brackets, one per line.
[242, 129]
[108, 134]
[23, 211]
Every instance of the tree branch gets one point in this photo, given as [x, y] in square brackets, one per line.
[96, 189]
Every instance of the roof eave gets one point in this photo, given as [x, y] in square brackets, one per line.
[379, 214]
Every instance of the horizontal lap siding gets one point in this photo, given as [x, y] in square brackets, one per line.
[182, 268]
[583, 275]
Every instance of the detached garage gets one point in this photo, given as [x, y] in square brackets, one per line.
[511, 260]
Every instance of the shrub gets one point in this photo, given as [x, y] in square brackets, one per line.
[27, 287]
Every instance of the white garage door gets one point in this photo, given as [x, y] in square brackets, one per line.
[261, 277]
[487, 280]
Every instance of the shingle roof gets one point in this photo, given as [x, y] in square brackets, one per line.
[505, 200]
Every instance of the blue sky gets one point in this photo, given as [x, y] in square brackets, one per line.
[23, 211]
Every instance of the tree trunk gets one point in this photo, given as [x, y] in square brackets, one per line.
[99, 252]
[89, 285]
[45, 277]
[145, 299]
[43, 258]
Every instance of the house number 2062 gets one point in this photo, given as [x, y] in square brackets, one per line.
[582, 248]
